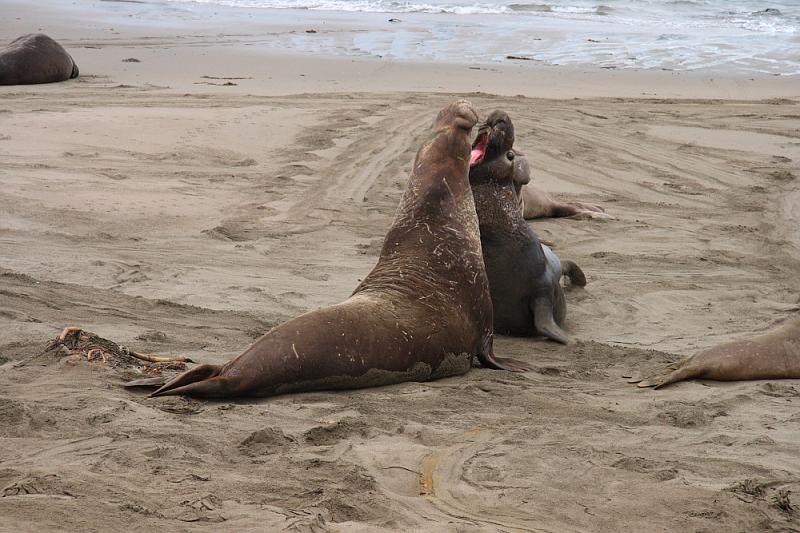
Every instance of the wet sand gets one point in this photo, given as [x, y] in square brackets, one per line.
[184, 218]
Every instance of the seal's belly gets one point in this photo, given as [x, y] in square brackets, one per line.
[362, 342]
[511, 300]
[513, 317]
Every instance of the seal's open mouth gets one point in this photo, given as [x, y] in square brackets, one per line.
[479, 148]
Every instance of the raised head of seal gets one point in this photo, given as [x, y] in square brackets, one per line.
[35, 58]
[773, 355]
[532, 201]
[422, 313]
[524, 275]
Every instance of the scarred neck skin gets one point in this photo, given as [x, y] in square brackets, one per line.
[497, 207]
[496, 177]
[440, 173]
[436, 221]
[438, 191]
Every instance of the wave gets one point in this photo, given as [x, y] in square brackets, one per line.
[735, 35]
[394, 6]
[549, 8]
[749, 15]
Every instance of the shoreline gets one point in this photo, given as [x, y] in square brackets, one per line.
[100, 39]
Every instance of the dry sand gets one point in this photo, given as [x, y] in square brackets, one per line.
[209, 214]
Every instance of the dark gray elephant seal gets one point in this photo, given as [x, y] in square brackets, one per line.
[524, 275]
[535, 203]
[422, 313]
[774, 355]
[35, 58]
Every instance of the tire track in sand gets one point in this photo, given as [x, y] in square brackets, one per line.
[443, 485]
[342, 162]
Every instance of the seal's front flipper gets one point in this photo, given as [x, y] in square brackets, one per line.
[488, 359]
[586, 214]
[671, 373]
[573, 272]
[192, 382]
[543, 321]
[503, 363]
[579, 211]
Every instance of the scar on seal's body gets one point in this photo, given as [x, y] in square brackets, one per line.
[385, 333]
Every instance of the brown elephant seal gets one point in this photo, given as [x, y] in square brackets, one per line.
[535, 203]
[524, 275]
[774, 355]
[422, 313]
[35, 58]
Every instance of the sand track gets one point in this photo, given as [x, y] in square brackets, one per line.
[210, 218]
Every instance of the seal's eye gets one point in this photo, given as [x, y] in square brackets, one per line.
[510, 155]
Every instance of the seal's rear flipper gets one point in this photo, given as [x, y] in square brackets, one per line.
[157, 381]
[192, 382]
[543, 321]
[216, 387]
[573, 272]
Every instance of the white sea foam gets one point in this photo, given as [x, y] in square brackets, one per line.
[737, 35]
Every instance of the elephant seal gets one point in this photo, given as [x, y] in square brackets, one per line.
[422, 313]
[524, 275]
[774, 355]
[535, 203]
[35, 58]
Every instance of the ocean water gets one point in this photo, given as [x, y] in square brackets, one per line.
[734, 36]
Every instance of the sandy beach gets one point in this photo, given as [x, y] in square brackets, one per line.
[187, 201]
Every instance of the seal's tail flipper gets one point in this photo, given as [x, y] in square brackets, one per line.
[672, 373]
[573, 272]
[199, 381]
[154, 382]
[544, 322]
[75, 71]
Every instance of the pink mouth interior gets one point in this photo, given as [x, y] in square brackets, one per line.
[478, 149]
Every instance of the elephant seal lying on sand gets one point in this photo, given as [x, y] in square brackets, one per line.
[524, 275]
[774, 355]
[422, 313]
[535, 203]
[35, 58]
